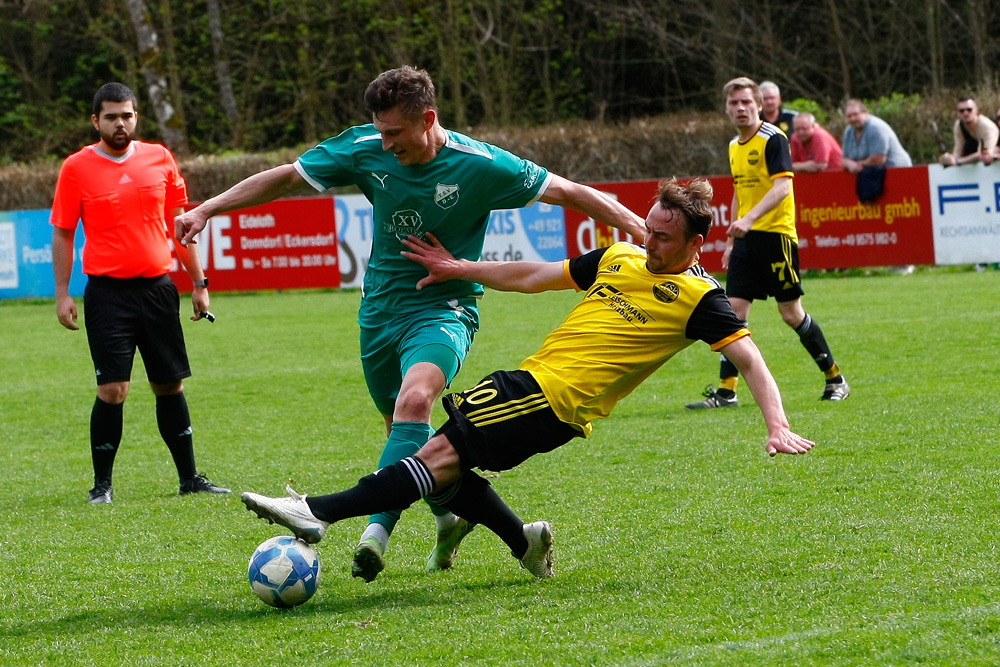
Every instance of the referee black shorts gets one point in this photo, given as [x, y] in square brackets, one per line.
[503, 421]
[764, 264]
[124, 314]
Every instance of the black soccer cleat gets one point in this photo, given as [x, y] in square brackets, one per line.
[713, 400]
[199, 484]
[836, 391]
[101, 494]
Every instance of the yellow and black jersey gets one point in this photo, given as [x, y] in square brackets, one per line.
[755, 164]
[629, 323]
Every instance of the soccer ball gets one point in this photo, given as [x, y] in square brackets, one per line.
[284, 572]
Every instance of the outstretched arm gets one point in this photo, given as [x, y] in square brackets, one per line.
[441, 265]
[191, 260]
[780, 438]
[258, 189]
[598, 205]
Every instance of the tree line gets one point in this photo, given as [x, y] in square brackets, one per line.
[220, 75]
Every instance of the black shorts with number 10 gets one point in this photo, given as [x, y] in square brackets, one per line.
[764, 264]
[503, 421]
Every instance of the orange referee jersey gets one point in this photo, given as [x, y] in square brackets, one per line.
[122, 202]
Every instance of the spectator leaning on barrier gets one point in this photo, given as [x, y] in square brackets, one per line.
[813, 148]
[771, 110]
[975, 136]
[869, 141]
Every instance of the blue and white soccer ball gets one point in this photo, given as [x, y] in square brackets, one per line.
[284, 572]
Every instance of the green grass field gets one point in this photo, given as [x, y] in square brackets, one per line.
[678, 541]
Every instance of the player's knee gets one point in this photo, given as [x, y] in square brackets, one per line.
[792, 319]
[792, 313]
[113, 392]
[166, 389]
[415, 404]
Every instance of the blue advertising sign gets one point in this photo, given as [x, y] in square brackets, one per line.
[26, 256]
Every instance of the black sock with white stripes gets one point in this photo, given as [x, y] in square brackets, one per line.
[391, 488]
[474, 499]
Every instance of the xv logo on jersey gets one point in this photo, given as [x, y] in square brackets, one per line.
[621, 303]
[405, 223]
[445, 196]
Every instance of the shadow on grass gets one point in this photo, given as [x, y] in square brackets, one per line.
[250, 610]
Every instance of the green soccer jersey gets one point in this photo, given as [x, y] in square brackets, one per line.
[451, 196]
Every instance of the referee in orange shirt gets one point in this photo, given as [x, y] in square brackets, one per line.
[127, 193]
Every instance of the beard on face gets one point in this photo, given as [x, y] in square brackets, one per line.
[118, 140]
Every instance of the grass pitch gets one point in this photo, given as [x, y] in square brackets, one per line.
[678, 541]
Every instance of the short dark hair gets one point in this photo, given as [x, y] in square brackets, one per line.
[113, 92]
[405, 87]
[693, 199]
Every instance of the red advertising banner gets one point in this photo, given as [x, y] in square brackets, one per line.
[584, 235]
[835, 229]
[285, 244]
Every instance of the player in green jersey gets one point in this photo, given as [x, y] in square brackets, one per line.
[420, 178]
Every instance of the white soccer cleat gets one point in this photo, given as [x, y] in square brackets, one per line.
[538, 558]
[292, 513]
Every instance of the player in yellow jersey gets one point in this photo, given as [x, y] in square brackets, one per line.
[641, 306]
[762, 255]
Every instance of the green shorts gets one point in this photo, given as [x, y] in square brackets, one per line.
[440, 334]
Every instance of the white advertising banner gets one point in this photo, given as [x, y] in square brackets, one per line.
[965, 212]
[8, 256]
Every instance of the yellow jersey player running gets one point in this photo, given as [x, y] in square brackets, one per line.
[641, 306]
[762, 254]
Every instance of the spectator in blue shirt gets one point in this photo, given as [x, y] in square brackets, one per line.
[869, 141]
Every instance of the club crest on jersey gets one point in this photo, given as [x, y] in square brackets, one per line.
[405, 223]
[666, 292]
[753, 157]
[445, 196]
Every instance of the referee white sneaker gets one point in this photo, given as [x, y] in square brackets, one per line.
[292, 513]
[538, 558]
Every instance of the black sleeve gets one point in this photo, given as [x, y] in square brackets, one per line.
[713, 319]
[778, 155]
[583, 269]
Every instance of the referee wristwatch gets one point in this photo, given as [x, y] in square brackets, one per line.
[201, 283]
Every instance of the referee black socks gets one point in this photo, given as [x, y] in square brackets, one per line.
[105, 437]
[174, 423]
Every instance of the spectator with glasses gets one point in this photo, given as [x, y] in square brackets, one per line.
[975, 136]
